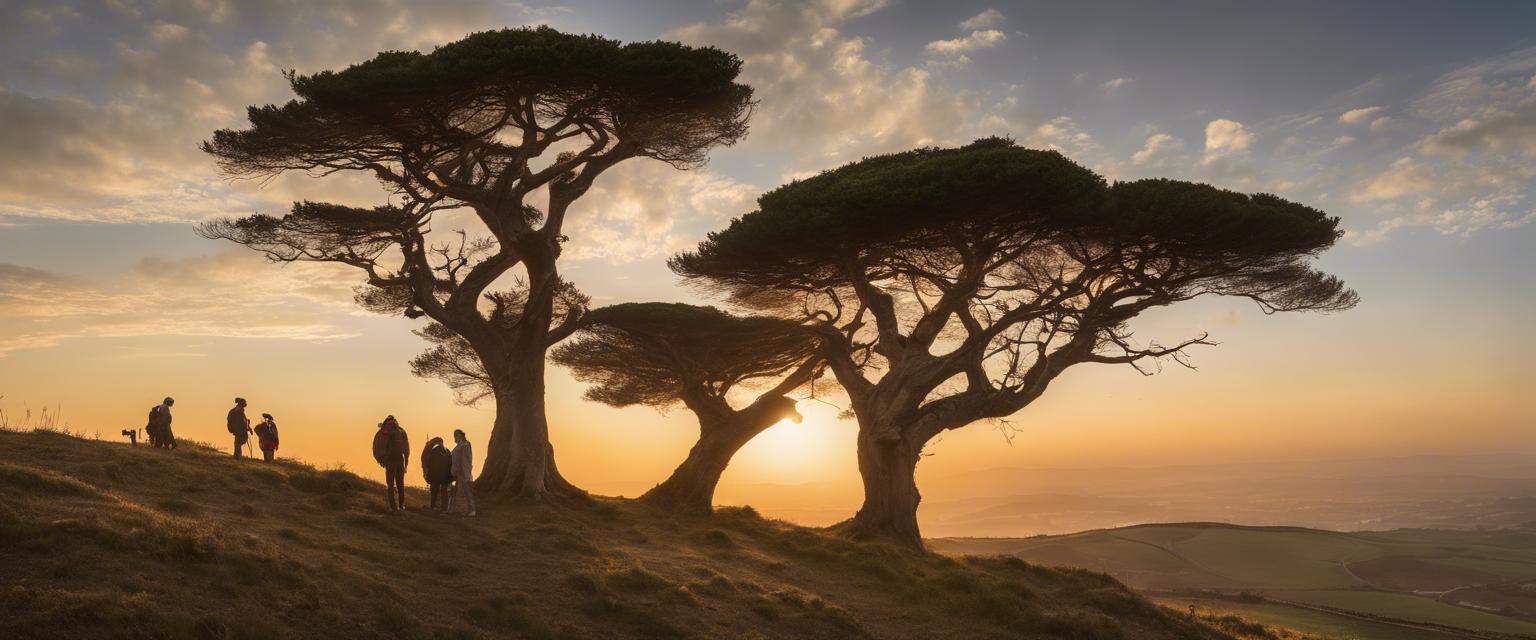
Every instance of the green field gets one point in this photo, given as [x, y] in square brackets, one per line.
[1410, 575]
[1317, 623]
[1408, 607]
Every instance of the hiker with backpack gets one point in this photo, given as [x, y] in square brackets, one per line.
[463, 471]
[239, 426]
[159, 427]
[437, 470]
[266, 437]
[391, 448]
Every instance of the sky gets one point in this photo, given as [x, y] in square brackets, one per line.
[1415, 122]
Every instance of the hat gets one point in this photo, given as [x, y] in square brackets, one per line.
[267, 416]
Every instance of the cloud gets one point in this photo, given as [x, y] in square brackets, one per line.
[1456, 161]
[1158, 148]
[1405, 177]
[643, 209]
[973, 41]
[1474, 89]
[113, 137]
[1500, 132]
[1062, 134]
[988, 18]
[1110, 86]
[824, 101]
[1226, 137]
[1357, 116]
[234, 294]
[1476, 216]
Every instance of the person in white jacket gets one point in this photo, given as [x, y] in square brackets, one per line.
[463, 471]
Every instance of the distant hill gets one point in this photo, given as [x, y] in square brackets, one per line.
[1451, 582]
[101, 539]
[1358, 494]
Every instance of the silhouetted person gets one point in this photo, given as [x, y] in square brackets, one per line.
[464, 471]
[159, 427]
[239, 426]
[437, 470]
[391, 448]
[266, 437]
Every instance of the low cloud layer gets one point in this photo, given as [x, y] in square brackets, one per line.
[227, 295]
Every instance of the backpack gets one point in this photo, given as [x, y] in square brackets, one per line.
[398, 445]
[156, 417]
[439, 465]
[390, 445]
[236, 422]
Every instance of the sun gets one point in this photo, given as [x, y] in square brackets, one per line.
[788, 452]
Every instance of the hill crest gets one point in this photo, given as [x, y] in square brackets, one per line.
[101, 539]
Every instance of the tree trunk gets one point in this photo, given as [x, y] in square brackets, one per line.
[519, 459]
[691, 487]
[889, 512]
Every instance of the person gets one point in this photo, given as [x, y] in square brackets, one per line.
[464, 471]
[266, 437]
[159, 427]
[391, 448]
[239, 426]
[437, 470]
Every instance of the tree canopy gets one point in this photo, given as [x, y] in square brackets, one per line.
[951, 285]
[441, 114]
[661, 354]
[486, 124]
[930, 200]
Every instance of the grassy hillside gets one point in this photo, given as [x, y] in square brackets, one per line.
[1481, 582]
[100, 539]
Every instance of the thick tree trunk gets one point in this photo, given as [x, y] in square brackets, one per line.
[691, 487]
[889, 512]
[519, 459]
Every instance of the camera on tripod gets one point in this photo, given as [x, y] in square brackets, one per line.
[133, 436]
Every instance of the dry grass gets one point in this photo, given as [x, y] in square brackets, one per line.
[98, 539]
